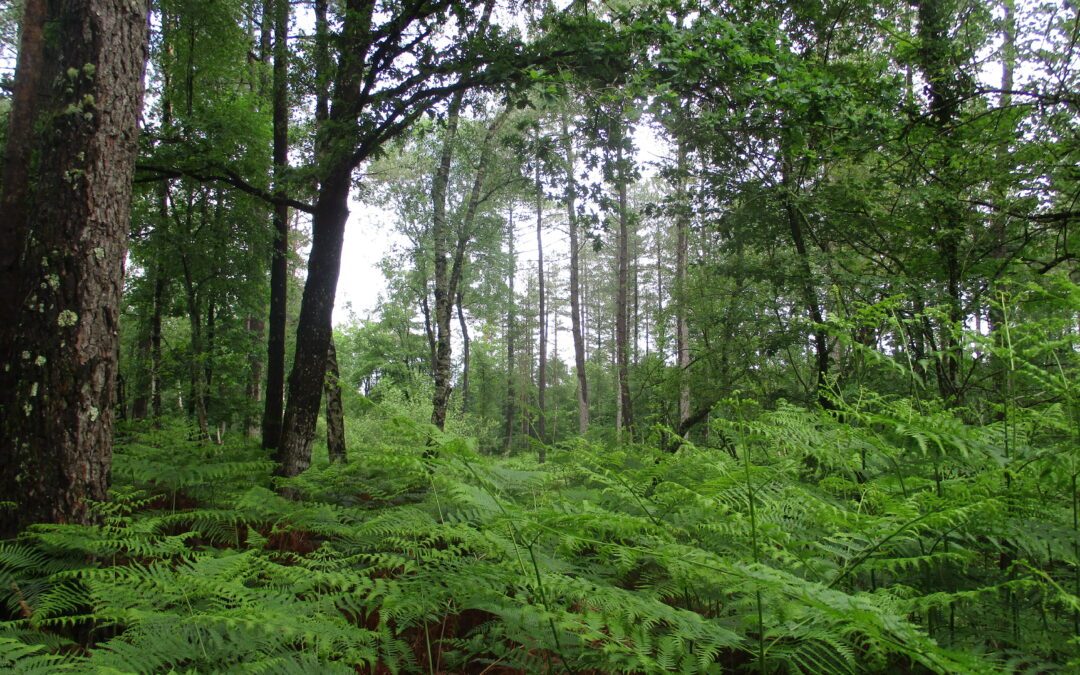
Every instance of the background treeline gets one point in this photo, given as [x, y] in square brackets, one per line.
[831, 198]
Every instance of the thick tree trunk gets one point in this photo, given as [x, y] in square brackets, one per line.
[335, 411]
[575, 282]
[682, 326]
[279, 260]
[56, 398]
[314, 325]
[622, 334]
[541, 319]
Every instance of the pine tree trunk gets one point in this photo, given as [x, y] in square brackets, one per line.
[575, 283]
[56, 399]
[509, 412]
[16, 178]
[682, 327]
[999, 253]
[256, 328]
[279, 259]
[541, 322]
[155, 343]
[196, 358]
[622, 334]
[335, 411]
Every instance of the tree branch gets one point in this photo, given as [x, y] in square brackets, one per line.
[218, 175]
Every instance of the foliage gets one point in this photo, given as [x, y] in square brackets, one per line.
[867, 541]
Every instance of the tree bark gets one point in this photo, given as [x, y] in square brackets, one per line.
[56, 398]
[509, 412]
[197, 355]
[575, 281]
[16, 178]
[440, 242]
[155, 343]
[314, 324]
[998, 233]
[622, 335]
[279, 258]
[335, 411]
[465, 353]
[541, 317]
[447, 279]
[256, 328]
[682, 326]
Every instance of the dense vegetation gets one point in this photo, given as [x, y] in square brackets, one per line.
[813, 270]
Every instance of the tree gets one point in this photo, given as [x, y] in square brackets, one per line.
[335, 413]
[279, 261]
[542, 317]
[393, 66]
[57, 389]
[575, 276]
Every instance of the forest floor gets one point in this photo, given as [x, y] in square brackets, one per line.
[807, 545]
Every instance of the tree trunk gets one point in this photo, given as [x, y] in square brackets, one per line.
[622, 335]
[429, 327]
[279, 259]
[806, 282]
[508, 432]
[944, 92]
[682, 327]
[16, 178]
[541, 317]
[999, 234]
[211, 330]
[465, 355]
[575, 282]
[335, 412]
[155, 343]
[444, 302]
[314, 325]
[256, 328]
[197, 356]
[56, 399]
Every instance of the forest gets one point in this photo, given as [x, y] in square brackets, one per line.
[714, 336]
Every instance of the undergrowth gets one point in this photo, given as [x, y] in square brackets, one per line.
[890, 538]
